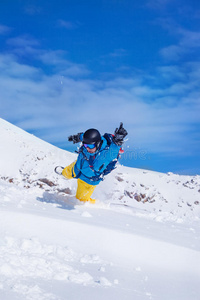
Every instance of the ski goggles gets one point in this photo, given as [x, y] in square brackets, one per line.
[91, 146]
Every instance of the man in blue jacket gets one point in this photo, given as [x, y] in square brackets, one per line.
[97, 157]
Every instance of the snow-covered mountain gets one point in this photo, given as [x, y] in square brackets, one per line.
[139, 241]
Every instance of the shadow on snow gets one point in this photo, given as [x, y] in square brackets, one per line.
[61, 201]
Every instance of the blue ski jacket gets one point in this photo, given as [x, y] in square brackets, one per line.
[91, 168]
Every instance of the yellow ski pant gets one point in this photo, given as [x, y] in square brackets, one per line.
[84, 190]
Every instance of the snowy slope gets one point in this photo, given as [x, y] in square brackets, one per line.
[139, 241]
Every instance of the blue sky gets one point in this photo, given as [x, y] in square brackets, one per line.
[66, 66]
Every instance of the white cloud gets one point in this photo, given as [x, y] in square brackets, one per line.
[161, 120]
[61, 64]
[10, 68]
[172, 53]
[190, 39]
[22, 41]
[24, 45]
[187, 42]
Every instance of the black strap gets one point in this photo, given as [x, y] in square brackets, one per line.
[56, 170]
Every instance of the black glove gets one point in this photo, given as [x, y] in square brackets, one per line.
[75, 138]
[119, 135]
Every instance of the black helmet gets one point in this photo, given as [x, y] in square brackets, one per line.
[92, 136]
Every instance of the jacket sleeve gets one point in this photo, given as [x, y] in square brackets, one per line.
[68, 172]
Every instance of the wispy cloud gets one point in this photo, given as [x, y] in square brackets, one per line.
[32, 10]
[12, 69]
[22, 41]
[158, 4]
[188, 41]
[173, 17]
[23, 45]
[57, 60]
[4, 29]
[67, 24]
[118, 53]
[161, 120]
[55, 97]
